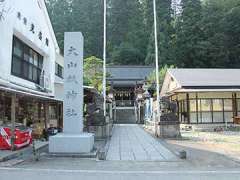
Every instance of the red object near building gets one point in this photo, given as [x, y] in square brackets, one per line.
[23, 137]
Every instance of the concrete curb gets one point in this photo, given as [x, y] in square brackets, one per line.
[73, 155]
[102, 153]
[18, 153]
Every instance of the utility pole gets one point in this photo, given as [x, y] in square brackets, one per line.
[174, 7]
[156, 59]
[13, 120]
[104, 55]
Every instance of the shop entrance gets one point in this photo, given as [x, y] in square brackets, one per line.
[29, 112]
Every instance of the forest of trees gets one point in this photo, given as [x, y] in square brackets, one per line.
[192, 33]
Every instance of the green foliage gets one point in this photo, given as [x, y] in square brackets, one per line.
[165, 32]
[189, 46]
[93, 74]
[60, 17]
[207, 34]
[78, 15]
[126, 29]
[87, 17]
[151, 79]
[203, 34]
[127, 54]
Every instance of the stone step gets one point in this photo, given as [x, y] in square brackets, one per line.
[11, 162]
[125, 116]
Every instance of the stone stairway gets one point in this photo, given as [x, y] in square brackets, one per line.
[125, 115]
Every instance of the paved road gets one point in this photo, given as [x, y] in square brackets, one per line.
[62, 168]
[50, 174]
[130, 142]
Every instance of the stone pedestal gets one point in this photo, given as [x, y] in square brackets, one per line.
[169, 126]
[168, 130]
[71, 143]
[73, 139]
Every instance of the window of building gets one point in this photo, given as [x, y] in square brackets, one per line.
[193, 111]
[206, 110]
[58, 70]
[218, 115]
[210, 110]
[228, 105]
[53, 112]
[193, 105]
[238, 106]
[228, 110]
[206, 105]
[183, 111]
[26, 63]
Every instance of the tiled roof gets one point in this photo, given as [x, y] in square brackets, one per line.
[206, 77]
[129, 72]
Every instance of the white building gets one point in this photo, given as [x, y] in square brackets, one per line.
[28, 50]
[58, 83]
[27, 47]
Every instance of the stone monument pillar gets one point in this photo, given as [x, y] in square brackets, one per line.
[72, 140]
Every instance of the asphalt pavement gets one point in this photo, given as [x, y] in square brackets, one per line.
[64, 174]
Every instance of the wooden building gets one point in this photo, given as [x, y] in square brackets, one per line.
[127, 82]
[125, 79]
[204, 96]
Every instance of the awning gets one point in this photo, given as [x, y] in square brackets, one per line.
[203, 90]
[8, 89]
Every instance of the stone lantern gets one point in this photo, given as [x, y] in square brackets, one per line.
[169, 125]
[139, 102]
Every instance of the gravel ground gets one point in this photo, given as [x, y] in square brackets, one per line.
[209, 148]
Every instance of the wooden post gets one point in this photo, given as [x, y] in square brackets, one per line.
[2, 107]
[13, 119]
[139, 112]
[61, 115]
[115, 112]
[46, 113]
[197, 108]
[39, 110]
[188, 109]
[58, 114]
[234, 99]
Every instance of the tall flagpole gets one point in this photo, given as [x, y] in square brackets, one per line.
[156, 58]
[104, 55]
